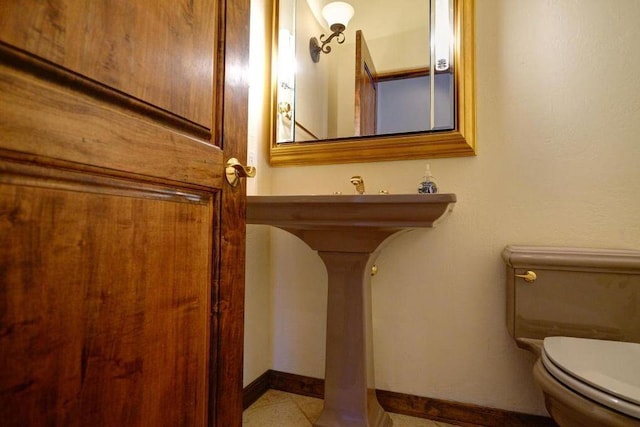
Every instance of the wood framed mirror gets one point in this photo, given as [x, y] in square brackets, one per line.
[291, 66]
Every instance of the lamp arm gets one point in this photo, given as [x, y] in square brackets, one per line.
[315, 48]
[340, 39]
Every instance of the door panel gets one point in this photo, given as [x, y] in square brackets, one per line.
[105, 300]
[50, 112]
[158, 51]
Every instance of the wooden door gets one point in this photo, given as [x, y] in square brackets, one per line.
[366, 89]
[121, 245]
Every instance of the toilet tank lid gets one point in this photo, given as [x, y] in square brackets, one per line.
[611, 366]
[586, 259]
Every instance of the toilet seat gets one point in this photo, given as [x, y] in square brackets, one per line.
[605, 371]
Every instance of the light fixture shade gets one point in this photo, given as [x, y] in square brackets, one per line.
[337, 12]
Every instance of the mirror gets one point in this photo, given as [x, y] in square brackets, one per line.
[366, 96]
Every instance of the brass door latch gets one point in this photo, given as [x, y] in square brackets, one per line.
[234, 171]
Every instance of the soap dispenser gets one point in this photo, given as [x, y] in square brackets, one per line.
[427, 183]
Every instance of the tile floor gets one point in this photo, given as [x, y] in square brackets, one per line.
[280, 409]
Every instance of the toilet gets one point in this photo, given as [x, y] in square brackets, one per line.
[578, 311]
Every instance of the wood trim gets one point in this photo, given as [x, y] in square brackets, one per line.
[226, 396]
[403, 74]
[461, 414]
[127, 136]
[408, 74]
[33, 175]
[256, 389]
[40, 68]
[296, 384]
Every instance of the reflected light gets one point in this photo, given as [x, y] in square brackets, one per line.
[443, 34]
[286, 60]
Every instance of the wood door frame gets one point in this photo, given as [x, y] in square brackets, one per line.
[365, 74]
[227, 331]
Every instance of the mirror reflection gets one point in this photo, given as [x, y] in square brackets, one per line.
[363, 67]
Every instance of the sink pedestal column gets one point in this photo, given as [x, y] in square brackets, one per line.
[349, 389]
[350, 397]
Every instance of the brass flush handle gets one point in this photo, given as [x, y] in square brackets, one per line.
[528, 277]
[234, 171]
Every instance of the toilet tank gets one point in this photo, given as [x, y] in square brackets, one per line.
[588, 293]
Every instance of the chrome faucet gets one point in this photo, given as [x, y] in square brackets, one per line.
[359, 183]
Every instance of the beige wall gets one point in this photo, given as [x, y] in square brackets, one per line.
[407, 50]
[258, 318]
[558, 108]
[312, 95]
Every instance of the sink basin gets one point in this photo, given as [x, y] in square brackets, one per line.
[346, 231]
[356, 223]
[388, 211]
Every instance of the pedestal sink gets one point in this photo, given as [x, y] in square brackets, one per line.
[346, 231]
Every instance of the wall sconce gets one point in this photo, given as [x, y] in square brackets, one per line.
[337, 14]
